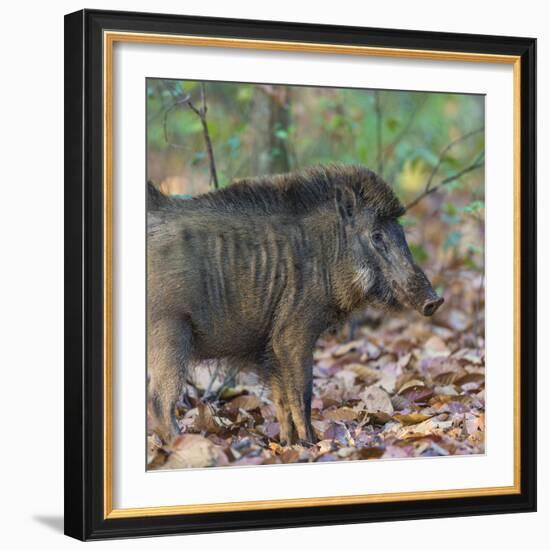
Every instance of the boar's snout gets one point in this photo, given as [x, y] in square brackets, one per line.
[425, 299]
[431, 306]
[418, 293]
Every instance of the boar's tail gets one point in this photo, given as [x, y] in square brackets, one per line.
[156, 199]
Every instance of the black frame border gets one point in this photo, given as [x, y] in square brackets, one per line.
[84, 216]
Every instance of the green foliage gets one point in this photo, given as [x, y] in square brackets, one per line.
[281, 133]
[473, 207]
[419, 253]
[450, 214]
[452, 240]
[408, 221]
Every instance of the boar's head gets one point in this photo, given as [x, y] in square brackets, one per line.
[376, 247]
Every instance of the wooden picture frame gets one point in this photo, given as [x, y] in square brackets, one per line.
[89, 39]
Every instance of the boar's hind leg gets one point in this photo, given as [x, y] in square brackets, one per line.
[169, 350]
[299, 397]
[284, 416]
[295, 370]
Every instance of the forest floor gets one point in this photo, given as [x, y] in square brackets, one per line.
[404, 386]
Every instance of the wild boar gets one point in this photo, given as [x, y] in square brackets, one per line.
[257, 271]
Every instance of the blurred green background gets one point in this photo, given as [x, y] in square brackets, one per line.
[410, 138]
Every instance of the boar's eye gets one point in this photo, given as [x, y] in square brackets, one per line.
[377, 239]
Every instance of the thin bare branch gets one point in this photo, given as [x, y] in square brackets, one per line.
[405, 130]
[428, 189]
[229, 380]
[201, 113]
[213, 377]
[177, 104]
[379, 152]
[444, 152]
[478, 163]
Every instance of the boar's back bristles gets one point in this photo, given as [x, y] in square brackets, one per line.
[294, 193]
[156, 198]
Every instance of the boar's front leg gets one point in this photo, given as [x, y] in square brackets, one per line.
[294, 357]
[168, 351]
[284, 416]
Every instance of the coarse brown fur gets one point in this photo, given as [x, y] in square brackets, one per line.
[255, 272]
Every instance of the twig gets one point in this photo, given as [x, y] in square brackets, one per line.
[478, 163]
[408, 124]
[447, 149]
[428, 189]
[477, 303]
[178, 103]
[390, 148]
[480, 294]
[380, 153]
[228, 380]
[201, 113]
[213, 377]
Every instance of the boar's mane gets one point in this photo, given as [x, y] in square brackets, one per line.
[293, 193]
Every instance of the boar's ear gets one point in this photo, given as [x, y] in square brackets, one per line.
[346, 202]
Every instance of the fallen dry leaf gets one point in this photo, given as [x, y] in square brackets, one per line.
[344, 414]
[195, 451]
[431, 426]
[417, 393]
[375, 399]
[410, 384]
[244, 402]
[366, 374]
[412, 418]
[344, 349]
[436, 347]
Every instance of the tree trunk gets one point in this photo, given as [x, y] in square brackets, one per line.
[271, 120]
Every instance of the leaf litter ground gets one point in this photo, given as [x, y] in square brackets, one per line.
[403, 386]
